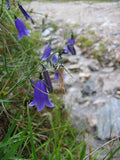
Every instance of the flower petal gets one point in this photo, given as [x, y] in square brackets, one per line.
[40, 105]
[49, 103]
[71, 49]
[22, 30]
[46, 52]
[33, 103]
[71, 41]
[56, 76]
[66, 50]
[54, 59]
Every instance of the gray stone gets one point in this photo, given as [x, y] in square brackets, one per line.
[74, 68]
[93, 85]
[87, 65]
[47, 32]
[107, 70]
[59, 31]
[109, 119]
[94, 65]
[111, 81]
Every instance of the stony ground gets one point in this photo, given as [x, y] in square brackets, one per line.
[93, 85]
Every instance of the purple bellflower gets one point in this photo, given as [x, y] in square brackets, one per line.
[8, 4]
[27, 16]
[54, 59]
[41, 96]
[22, 30]
[46, 52]
[48, 82]
[70, 46]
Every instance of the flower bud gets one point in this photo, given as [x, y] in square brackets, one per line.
[48, 82]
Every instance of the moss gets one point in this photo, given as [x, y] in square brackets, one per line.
[82, 39]
[101, 47]
[96, 55]
[91, 32]
[67, 24]
[54, 26]
[87, 44]
[76, 25]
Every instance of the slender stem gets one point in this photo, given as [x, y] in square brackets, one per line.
[4, 57]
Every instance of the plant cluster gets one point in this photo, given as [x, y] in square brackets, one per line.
[47, 59]
[27, 133]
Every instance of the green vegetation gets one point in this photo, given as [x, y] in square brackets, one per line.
[27, 134]
[67, 25]
[54, 26]
[102, 48]
[82, 39]
[76, 25]
[87, 44]
[91, 31]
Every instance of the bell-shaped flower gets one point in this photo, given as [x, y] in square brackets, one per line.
[22, 30]
[71, 41]
[70, 46]
[8, 4]
[46, 52]
[41, 96]
[48, 82]
[27, 16]
[46, 55]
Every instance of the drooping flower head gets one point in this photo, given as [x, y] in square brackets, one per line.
[8, 4]
[22, 30]
[46, 52]
[47, 79]
[70, 46]
[46, 55]
[27, 16]
[41, 96]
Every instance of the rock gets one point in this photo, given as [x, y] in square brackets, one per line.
[47, 32]
[84, 75]
[73, 59]
[59, 31]
[111, 82]
[93, 85]
[109, 119]
[70, 79]
[74, 68]
[94, 65]
[117, 57]
[73, 95]
[110, 48]
[108, 70]
[79, 31]
[87, 65]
